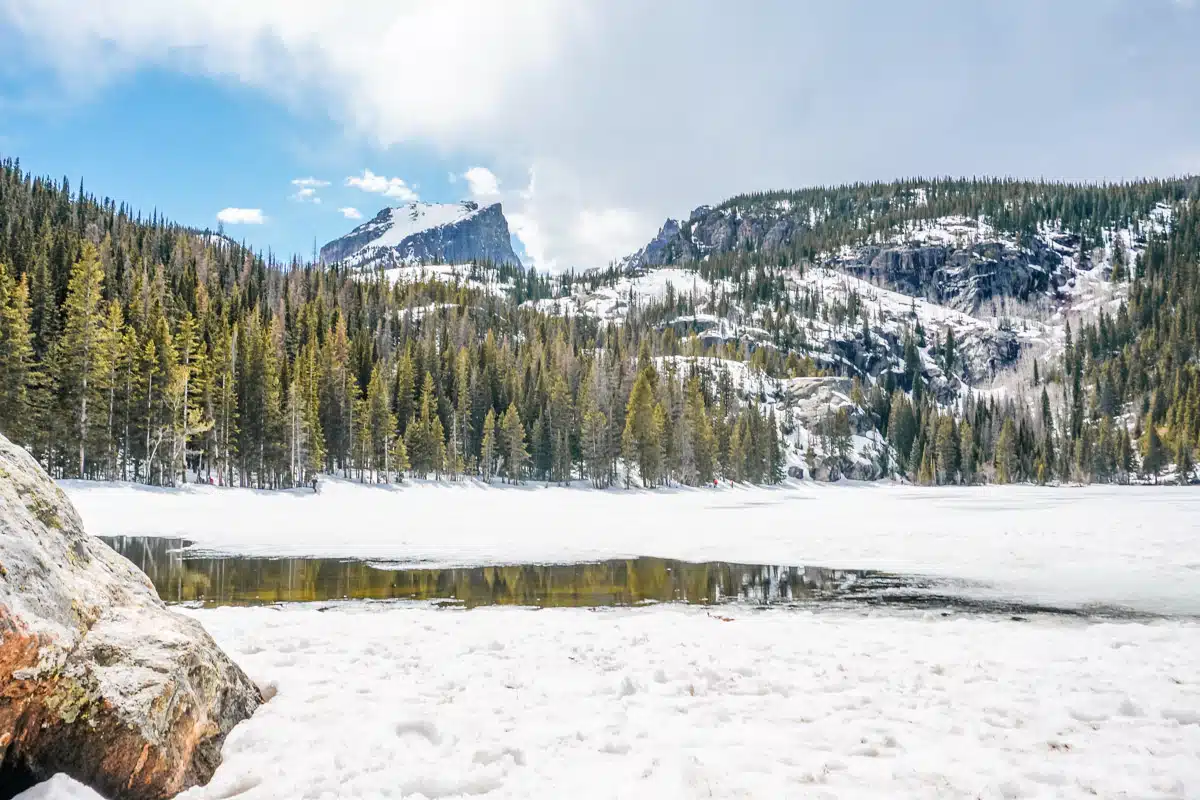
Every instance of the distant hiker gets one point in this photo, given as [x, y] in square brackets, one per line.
[316, 485]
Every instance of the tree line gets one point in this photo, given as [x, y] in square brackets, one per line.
[135, 349]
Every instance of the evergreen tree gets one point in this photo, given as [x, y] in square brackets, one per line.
[490, 448]
[1154, 455]
[1006, 453]
[777, 470]
[18, 380]
[947, 450]
[516, 456]
[80, 355]
[641, 444]
[901, 427]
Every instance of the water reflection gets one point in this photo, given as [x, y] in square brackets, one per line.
[179, 576]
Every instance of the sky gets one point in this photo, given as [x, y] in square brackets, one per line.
[288, 122]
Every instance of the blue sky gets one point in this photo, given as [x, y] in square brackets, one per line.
[592, 120]
[192, 146]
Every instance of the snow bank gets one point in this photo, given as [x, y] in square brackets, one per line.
[1128, 546]
[409, 701]
[60, 787]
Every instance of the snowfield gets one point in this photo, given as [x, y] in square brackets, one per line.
[414, 700]
[1135, 547]
[408, 701]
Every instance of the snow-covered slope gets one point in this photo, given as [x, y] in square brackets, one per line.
[426, 233]
[1006, 299]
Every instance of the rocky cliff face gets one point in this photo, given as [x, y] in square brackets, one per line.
[425, 233]
[98, 679]
[710, 230]
[963, 275]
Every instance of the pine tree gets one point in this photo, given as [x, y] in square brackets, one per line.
[950, 353]
[423, 450]
[966, 448]
[947, 450]
[700, 439]
[187, 410]
[641, 444]
[516, 456]
[462, 434]
[80, 354]
[1154, 455]
[778, 459]
[489, 450]
[1184, 463]
[381, 423]
[1006, 453]
[901, 428]
[839, 437]
[437, 446]
[18, 380]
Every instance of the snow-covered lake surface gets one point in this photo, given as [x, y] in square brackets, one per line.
[1137, 548]
[402, 699]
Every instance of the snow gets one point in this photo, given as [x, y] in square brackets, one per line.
[417, 217]
[612, 303]
[1135, 547]
[416, 700]
[469, 276]
[376, 700]
[60, 787]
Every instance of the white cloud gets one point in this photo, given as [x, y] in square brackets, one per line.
[306, 189]
[241, 216]
[630, 111]
[482, 183]
[350, 213]
[388, 187]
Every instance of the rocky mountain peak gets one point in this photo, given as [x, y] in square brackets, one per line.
[427, 233]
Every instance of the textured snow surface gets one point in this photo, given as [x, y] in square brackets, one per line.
[612, 303]
[415, 218]
[60, 787]
[409, 701]
[1128, 546]
[376, 701]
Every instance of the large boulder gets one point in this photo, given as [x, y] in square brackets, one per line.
[98, 679]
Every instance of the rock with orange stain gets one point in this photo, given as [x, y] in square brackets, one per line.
[98, 678]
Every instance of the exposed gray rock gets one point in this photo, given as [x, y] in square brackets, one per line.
[962, 278]
[710, 230]
[420, 233]
[98, 679]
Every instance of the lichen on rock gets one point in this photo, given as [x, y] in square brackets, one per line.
[98, 678]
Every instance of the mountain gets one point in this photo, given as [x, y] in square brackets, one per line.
[960, 285]
[958, 243]
[427, 233]
[939, 331]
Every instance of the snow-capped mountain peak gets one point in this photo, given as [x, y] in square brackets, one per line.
[420, 232]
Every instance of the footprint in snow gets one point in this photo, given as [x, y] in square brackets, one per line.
[421, 728]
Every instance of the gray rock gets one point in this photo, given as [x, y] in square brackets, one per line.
[962, 278]
[98, 679]
[482, 236]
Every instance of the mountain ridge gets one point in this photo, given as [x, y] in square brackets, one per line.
[426, 233]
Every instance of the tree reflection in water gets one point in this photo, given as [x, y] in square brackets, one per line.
[179, 576]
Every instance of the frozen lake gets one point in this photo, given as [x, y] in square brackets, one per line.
[1001, 643]
[1126, 547]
